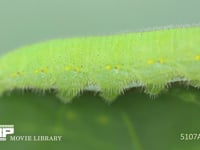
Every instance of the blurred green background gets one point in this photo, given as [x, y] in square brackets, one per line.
[134, 121]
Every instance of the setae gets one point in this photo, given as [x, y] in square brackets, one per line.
[105, 64]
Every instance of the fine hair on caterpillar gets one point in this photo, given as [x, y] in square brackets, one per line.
[105, 64]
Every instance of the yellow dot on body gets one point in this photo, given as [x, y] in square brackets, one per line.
[108, 67]
[67, 68]
[197, 57]
[103, 120]
[161, 60]
[118, 67]
[44, 70]
[36, 71]
[14, 75]
[71, 115]
[19, 74]
[77, 69]
[151, 61]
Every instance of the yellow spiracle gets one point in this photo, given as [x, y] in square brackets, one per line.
[44, 70]
[118, 67]
[13, 75]
[151, 61]
[67, 68]
[103, 120]
[16, 74]
[71, 115]
[77, 69]
[36, 71]
[19, 73]
[107, 67]
[197, 57]
[161, 60]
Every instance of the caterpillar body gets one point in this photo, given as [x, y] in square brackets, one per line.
[106, 64]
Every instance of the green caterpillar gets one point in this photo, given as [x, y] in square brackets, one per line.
[105, 64]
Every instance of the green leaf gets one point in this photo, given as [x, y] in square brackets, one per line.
[133, 121]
